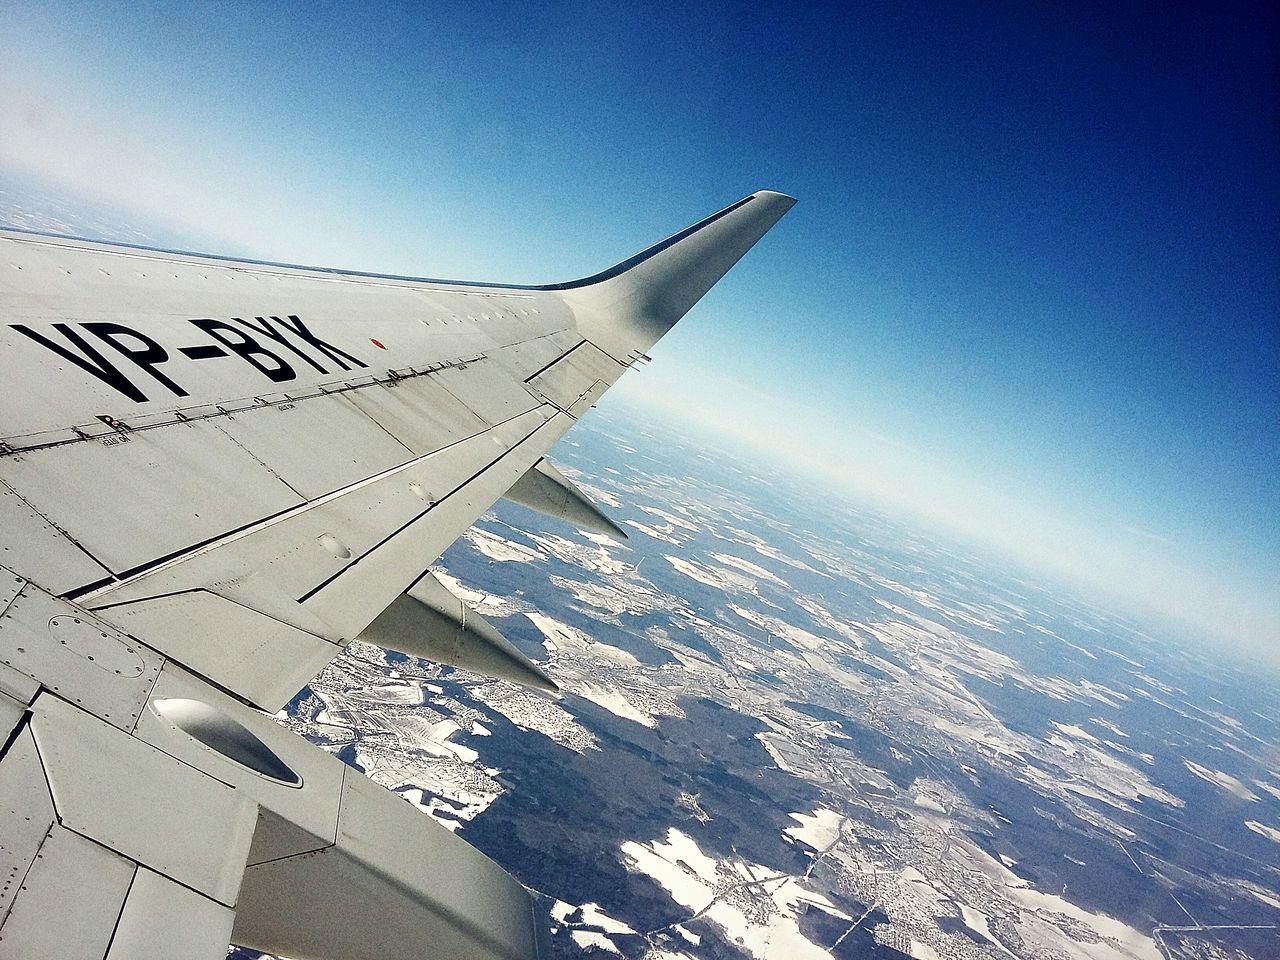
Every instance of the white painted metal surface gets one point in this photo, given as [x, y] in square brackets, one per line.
[33, 546]
[150, 493]
[11, 585]
[487, 389]
[311, 809]
[129, 797]
[584, 372]
[11, 710]
[316, 445]
[219, 638]
[17, 685]
[162, 920]
[419, 412]
[70, 873]
[52, 642]
[28, 811]
[238, 467]
[524, 359]
[628, 310]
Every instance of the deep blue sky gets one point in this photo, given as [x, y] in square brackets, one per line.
[1030, 289]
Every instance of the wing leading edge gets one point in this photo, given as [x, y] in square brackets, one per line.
[213, 476]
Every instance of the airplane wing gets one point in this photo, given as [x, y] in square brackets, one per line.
[214, 475]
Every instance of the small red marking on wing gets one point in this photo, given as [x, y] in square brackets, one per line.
[377, 343]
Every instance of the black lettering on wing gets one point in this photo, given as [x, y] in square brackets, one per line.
[138, 347]
[88, 359]
[295, 325]
[264, 327]
[249, 349]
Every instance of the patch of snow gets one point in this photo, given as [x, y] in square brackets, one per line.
[615, 703]
[926, 802]
[671, 519]
[818, 830]
[1271, 833]
[498, 549]
[1220, 779]
[711, 576]
[590, 938]
[689, 935]
[922, 951]
[560, 636]
[696, 881]
[748, 567]
[654, 533]
[1274, 791]
[1075, 732]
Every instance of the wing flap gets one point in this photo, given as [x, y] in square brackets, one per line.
[53, 559]
[419, 412]
[68, 869]
[487, 389]
[28, 808]
[149, 493]
[116, 908]
[162, 920]
[262, 659]
[316, 445]
[263, 610]
[524, 359]
[167, 816]
[431, 889]
[360, 591]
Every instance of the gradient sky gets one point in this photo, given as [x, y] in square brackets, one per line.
[1030, 291]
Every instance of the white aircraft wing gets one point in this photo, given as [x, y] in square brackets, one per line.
[214, 475]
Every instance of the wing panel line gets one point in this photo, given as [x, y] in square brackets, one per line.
[408, 523]
[547, 366]
[87, 592]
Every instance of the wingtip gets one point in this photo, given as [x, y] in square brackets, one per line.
[632, 304]
[777, 196]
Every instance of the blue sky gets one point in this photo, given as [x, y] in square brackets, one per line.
[1029, 292]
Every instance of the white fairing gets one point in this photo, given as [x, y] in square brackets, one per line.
[213, 476]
